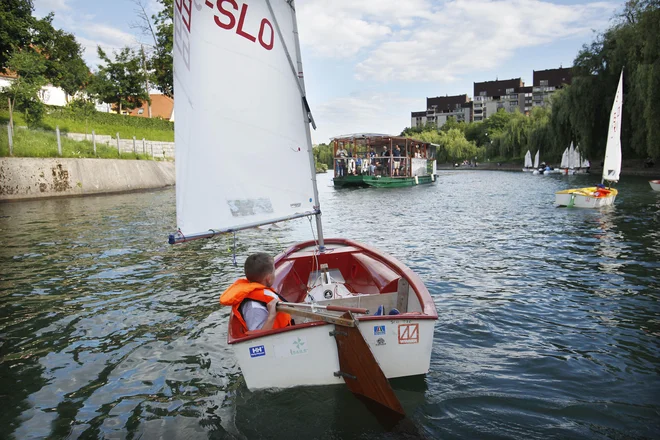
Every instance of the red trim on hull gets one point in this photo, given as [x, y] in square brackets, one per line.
[285, 265]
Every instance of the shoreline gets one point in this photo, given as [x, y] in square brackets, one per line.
[626, 170]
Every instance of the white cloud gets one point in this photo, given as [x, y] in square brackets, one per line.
[369, 112]
[110, 39]
[341, 28]
[423, 41]
[51, 5]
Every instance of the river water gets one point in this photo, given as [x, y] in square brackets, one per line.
[549, 322]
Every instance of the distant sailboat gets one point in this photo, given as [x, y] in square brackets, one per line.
[564, 161]
[528, 162]
[597, 196]
[536, 162]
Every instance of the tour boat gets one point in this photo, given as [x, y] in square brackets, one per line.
[598, 196]
[655, 184]
[361, 316]
[359, 161]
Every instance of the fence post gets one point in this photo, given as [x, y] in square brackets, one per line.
[134, 149]
[118, 149]
[152, 150]
[11, 140]
[144, 147]
[59, 142]
[94, 141]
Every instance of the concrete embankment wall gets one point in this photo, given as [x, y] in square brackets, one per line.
[27, 178]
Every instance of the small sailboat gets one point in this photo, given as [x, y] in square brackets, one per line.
[655, 184]
[536, 163]
[361, 316]
[597, 196]
[528, 162]
[563, 166]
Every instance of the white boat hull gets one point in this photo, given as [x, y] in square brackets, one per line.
[584, 198]
[350, 275]
[655, 184]
[308, 355]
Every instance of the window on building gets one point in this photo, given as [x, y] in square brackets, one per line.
[140, 111]
[509, 91]
[482, 93]
[544, 82]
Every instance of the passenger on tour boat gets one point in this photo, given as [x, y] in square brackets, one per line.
[252, 299]
[396, 154]
[372, 162]
[385, 162]
[351, 164]
[341, 162]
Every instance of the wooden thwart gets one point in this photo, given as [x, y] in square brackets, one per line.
[332, 319]
[361, 371]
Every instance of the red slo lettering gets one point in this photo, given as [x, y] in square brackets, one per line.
[241, 21]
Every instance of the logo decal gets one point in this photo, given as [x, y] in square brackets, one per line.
[257, 351]
[380, 341]
[300, 346]
[379, 329]
[408, 333]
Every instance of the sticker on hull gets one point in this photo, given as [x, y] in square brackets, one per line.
[408, 333]
[257, 351]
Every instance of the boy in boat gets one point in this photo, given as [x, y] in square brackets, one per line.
[252, 300]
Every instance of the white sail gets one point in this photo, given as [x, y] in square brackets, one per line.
[612, 165]
[564, 159]
[242, 148]
[571, 156]
[577, 158]
[528, 159]
[536, 158]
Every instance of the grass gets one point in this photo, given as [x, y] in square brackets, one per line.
[101, 123]
[36, 143]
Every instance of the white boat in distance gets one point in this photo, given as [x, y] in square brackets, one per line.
[528, 166]
[217, 193]
[655, 184]
[536, 162]
[597, 196]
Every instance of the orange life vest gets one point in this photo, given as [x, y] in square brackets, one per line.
[243, 289]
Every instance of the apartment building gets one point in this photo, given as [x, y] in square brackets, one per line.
[490, 96]
[546, 82]
[440, 108]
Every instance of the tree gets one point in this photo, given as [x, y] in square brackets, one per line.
[30, 68]
[162, 62]
[65, 67]
[15, 24]
[452, 123]
[477, 132]
[122, 81]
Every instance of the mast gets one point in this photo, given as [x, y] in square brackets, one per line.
[307, 112]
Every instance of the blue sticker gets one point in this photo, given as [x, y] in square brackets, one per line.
[257, 351]
[379, 329]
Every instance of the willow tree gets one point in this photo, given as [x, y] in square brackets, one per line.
[631, 45]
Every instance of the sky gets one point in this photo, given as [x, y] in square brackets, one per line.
[369, 63]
